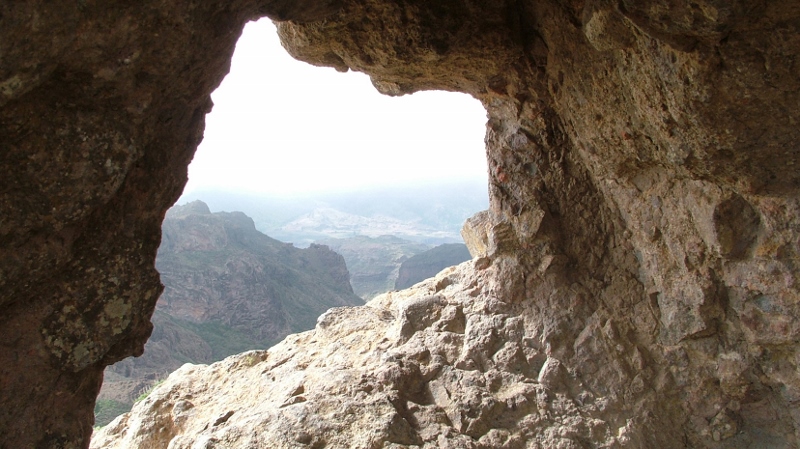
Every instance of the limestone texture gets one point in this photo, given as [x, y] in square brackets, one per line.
[643, 228]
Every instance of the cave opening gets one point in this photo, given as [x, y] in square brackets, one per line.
[281, 128]
[643, 178]
[289, 144]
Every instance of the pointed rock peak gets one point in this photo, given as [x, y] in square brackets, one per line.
[196, 207]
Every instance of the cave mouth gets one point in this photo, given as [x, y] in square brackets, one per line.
[284, 135]
[624, 140]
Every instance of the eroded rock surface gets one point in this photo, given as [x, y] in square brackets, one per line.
[445, 364]
[102, 105]
[643, 227]
[647, 150]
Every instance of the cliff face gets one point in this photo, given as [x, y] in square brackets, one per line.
[228, 288]
[219, 268]
[643, 224]
[425, 265]
[101, 107]
[374, 262]
[643, 163]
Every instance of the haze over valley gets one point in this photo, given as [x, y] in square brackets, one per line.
[374, 229]
[431, 212]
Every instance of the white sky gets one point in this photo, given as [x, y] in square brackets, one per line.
[280, 126]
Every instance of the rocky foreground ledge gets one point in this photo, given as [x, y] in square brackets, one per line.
[445, 363]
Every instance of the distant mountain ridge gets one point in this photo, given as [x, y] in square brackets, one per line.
[246, 275]
[228, 288]
[327, 222]
[432, 214]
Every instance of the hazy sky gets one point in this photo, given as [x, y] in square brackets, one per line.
[280, 126]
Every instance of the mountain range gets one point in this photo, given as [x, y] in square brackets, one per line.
[427, 213]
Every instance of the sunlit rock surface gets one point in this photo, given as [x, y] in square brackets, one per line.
[444, 364]
[648, 151]
[643, 226]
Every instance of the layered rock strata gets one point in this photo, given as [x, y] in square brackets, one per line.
[643, 227]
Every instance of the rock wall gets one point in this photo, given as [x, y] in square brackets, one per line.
[643, 226]
[643, 163]
[102, 105]
[428, 264]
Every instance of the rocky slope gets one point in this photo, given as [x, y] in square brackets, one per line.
[228, 288]
[374, 261]
[643, 169]
[446, 364]
[427, 264]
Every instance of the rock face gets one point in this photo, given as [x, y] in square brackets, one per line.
[425, 265]
[102, 105]
[475, 233]
[217, 268]
[442, 365]
[643, 225]
[228, 288]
